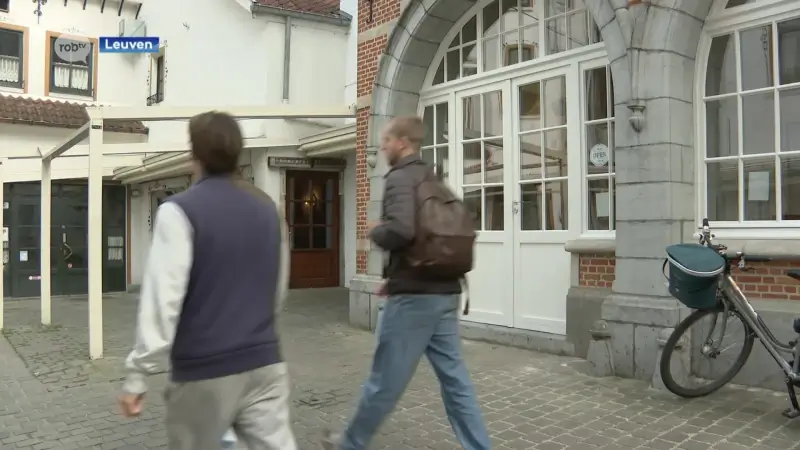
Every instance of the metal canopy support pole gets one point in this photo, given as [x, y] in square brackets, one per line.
[3, 244]
[46, 269]
[95, 244]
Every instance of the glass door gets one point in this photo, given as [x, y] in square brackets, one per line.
[482, 148]
[70, 238]
[546, 168]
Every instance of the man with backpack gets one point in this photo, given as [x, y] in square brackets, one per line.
[429, 236]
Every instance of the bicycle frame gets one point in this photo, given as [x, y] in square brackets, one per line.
[737, 299]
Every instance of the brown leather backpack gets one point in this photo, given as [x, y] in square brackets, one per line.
[444, 244]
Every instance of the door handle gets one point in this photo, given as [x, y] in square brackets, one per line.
[515, 207]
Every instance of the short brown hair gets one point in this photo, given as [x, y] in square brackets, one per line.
[216, 142]
[408, 127]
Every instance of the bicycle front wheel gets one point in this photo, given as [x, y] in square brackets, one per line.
[715, 355]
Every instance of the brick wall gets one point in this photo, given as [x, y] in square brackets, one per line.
[369, 52]
[596, 270]
[768, 281]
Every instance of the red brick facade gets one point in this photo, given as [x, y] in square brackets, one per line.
[766, 281]
[596, 270]
[369, 52]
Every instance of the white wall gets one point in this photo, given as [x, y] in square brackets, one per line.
[348, 226]
[121, 78]
[243, 65]
[350, 93]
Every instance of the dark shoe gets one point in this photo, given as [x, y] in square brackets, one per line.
[329, 441]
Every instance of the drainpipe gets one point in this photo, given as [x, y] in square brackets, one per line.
[287, 58]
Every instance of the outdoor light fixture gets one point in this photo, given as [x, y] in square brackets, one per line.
[38, 11]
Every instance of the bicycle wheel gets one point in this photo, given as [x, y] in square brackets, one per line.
[707, 346]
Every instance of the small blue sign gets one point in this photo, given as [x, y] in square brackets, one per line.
[129, 44]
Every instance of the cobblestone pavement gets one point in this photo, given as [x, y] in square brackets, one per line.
[52, 397]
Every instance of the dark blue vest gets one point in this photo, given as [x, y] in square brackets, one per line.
[227, 325]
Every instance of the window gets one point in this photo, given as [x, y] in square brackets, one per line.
[543, 155]
[599, 148]
[4, 5]
[752, 124]
[69, 73]
[11, 57]
[509, 32]
[434, 147]
[157, 81]
[482, 161]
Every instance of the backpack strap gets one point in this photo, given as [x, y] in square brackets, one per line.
[465, 287]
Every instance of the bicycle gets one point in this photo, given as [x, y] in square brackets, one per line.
[713, 293]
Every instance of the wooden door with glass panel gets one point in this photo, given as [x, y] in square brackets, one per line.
[312, 214]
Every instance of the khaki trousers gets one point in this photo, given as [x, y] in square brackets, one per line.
[254, 403]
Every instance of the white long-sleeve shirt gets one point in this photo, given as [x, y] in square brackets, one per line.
[164, 287]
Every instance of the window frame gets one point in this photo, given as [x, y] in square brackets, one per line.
[49, 69]
[158, 77]
[7, 8]
[22, 86]
[476, 12]
[722, 21]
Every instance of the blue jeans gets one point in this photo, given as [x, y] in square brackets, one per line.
[411, 326]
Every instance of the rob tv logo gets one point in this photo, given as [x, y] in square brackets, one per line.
[129, 44]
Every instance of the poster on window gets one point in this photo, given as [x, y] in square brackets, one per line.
[601, 201]
[758, 187]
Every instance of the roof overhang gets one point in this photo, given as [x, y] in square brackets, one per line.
[343, 20]
[336, 140]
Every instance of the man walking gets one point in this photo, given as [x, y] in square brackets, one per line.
[216, 277]
[421, 314]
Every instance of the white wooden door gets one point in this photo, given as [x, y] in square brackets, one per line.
[482, 155]
[545, 189]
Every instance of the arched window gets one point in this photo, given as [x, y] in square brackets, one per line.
[750, 114]
[508, 32]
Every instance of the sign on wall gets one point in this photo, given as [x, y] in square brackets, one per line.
[306, 163]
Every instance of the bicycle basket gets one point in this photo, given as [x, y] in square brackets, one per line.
[693, 273]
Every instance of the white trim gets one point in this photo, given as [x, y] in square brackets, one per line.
[723, 21]
[337, 140]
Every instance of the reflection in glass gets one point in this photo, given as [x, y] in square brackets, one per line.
[721, 69]
[441, 123]
[596, 94]
[493, 113]
[491, 54]
[453, 67]
[511, 48]
[789, 51]
[556, 35]
[599, 205]
[491, 16]
[531, 207]
[493, 208]
[469, 60]
[555, 153]
[530, 43]
[758, 123]
[493, 157]
[469, 33]
[756, 49]
[554, 102]
[790, 119]
[530, 153]
[472, 162]
[530, 107]
[596, 141]
[723, 190]
[790, 187]
[442, 161]
[556, 205]
[578, 30]
[438, 77]
[554, 7]
[428, 155]
[474, 204]
[722, 128]
[528, 16]
[428, 121]
[471, 125]
[759, 189]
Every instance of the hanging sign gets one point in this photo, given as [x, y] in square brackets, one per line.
[598, 155]
[306, 163]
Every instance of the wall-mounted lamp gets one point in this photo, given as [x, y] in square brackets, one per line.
[372, 158]
[311, 202]
[38, 11]
[135, 193]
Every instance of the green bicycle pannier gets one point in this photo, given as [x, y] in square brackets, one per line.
[693, 274]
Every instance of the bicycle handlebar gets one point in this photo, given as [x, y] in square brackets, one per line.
[707, 238]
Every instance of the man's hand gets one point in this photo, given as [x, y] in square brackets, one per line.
[132, 404]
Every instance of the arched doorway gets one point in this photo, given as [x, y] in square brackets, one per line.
[518, 103]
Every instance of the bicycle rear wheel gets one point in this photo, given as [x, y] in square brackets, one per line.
[703, 329]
